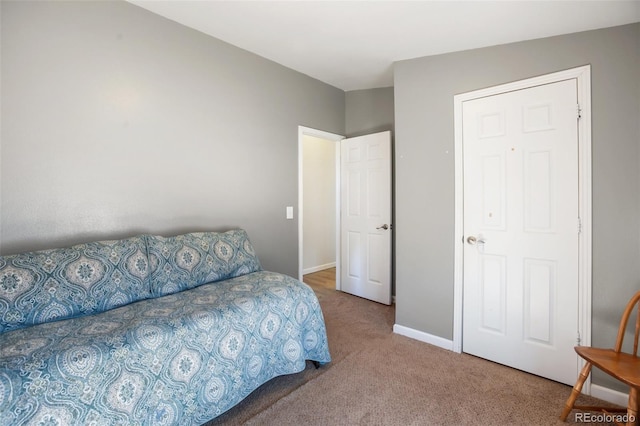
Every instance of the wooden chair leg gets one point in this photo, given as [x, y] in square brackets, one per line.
[632, 408]
[577, 388]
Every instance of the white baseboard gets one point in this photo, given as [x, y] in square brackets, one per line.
[423, 337]
[597, 391]
[610, 395]
[318, 268]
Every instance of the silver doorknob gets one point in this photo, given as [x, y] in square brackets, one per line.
[472, 240]
[385, 227]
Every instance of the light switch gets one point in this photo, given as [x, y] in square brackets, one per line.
[289, 212]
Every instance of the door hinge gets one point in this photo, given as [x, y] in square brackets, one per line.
[579, 111]
[579, 225]
[578, 340]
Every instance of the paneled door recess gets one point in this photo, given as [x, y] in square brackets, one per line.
[521, 229]
[365, 178]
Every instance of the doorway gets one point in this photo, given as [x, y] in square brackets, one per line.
[318, 202]
[362, 227]
[490, 270]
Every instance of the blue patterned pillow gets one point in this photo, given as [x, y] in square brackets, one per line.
[57, 284]
[186, 261]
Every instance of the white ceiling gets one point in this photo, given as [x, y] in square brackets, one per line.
[352, 44]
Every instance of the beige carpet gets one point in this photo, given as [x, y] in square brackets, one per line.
[380, 378]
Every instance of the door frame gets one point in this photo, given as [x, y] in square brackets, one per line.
[308, 131]
[583, 110]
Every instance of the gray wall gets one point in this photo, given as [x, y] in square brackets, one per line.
[116, 121]
[369, 111]
[424, 90]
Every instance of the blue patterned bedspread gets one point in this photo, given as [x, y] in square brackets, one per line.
[180, 359]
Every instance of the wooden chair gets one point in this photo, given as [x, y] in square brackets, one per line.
[621, 365]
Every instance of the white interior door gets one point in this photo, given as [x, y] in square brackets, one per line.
[521, 229]
[365, 164]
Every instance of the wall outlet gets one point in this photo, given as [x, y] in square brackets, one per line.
[289, 212]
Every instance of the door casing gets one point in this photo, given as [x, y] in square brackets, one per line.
[583, 78]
